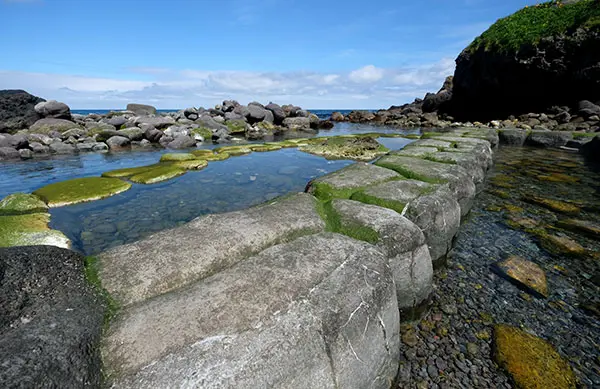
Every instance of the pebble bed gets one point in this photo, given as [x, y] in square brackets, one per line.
[451, 347]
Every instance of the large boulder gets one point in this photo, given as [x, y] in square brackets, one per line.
[510, 71]
[118, 142]
[182, 142]
[17, 110]
[141, 109]
[278, 113]
[47, 125]
[592, 149]
[50, 320]
[53, 109]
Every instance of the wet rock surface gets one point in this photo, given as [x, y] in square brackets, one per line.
[452, 346]
[50, 320]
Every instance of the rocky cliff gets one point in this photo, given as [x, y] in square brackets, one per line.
[541, 56]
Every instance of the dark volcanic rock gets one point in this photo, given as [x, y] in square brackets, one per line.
[592, 149]
[50, 320]
[17, 110]
[494, 83]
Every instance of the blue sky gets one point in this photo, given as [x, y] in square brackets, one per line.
[180, 53]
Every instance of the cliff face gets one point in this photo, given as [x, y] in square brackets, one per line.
[534, 59]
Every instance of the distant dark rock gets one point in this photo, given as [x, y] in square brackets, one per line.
[337, 117]
[153, 135]
[141, 109]
[592, 149]
[50, 320]
[17, 110]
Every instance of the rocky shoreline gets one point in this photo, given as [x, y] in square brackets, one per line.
[48, 128]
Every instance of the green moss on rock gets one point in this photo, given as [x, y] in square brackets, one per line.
[236, 126]
[264, 148]
[363, 197]
[334, 223]
[234, 150]
[532, 362]
[172, 157]
[529, 25]
[29, 230]
[131, 171]
[22, 203]
[159, 174]
[197, 164]
[346, 147]
[80, 190]
[204, 132]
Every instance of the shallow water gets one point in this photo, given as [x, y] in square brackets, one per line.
[233, 184]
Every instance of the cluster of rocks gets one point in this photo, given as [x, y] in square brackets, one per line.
[49, 127]
[428, 112]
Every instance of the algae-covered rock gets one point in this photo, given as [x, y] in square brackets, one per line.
[234, 150]
[524, 274]
[22, 203]
[584, 227]
[265, 147]
[361, 149]
[159, 174]
[561, 245]
[171, 157]
[30, 230]
[532, 362]
[202, 152]
[80, 190]
[130, 171]
[196, 164]
[553, 205]
[215, 157]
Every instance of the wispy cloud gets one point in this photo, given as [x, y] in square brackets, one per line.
[365, 87]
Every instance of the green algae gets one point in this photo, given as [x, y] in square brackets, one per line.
[204, 132]
[196, 164]
[234, 150]
[202, 152]
[532, 362]
[29, 230]
[216, 157]
[326, 192]
[81, 190]
[22, 203]
[159, 174]
[92, 275]
[172, 157]
[236, 126]
[265, 148]
[363, 197]
[406, 172]
[553, 205]
[131, 171]
[334, 223]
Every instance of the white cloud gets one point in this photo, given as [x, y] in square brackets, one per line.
[366, 87]
[366, 74]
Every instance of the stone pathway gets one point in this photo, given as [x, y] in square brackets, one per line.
[451, 346]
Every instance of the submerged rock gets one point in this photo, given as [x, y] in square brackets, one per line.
[177, 157]
[584, 227]
[524, 274]
[553, 205]
[80, 190]
[50, 320]
[532, 362]
[561, 245]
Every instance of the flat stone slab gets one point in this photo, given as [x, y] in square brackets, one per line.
[416, 151]
[459, 182]
[584, 227]
[512, 136]
[344, 182]
[50, 320]
[173, 258]
[404, 244]
[548, 138]
[319, 312]
[428, 206]
[438, 144]
[531, 361]
[475, 166]
[525, 274]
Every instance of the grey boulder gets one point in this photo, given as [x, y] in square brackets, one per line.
[118, 142]
[141, 109]
[182, 142]
[53, 109]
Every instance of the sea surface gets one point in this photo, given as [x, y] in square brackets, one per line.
[223, 186]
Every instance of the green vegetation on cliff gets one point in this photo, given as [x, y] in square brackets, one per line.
[529, 25]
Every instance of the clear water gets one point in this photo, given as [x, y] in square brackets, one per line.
[233, 184]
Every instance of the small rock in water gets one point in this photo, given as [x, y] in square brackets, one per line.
[524, 274]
